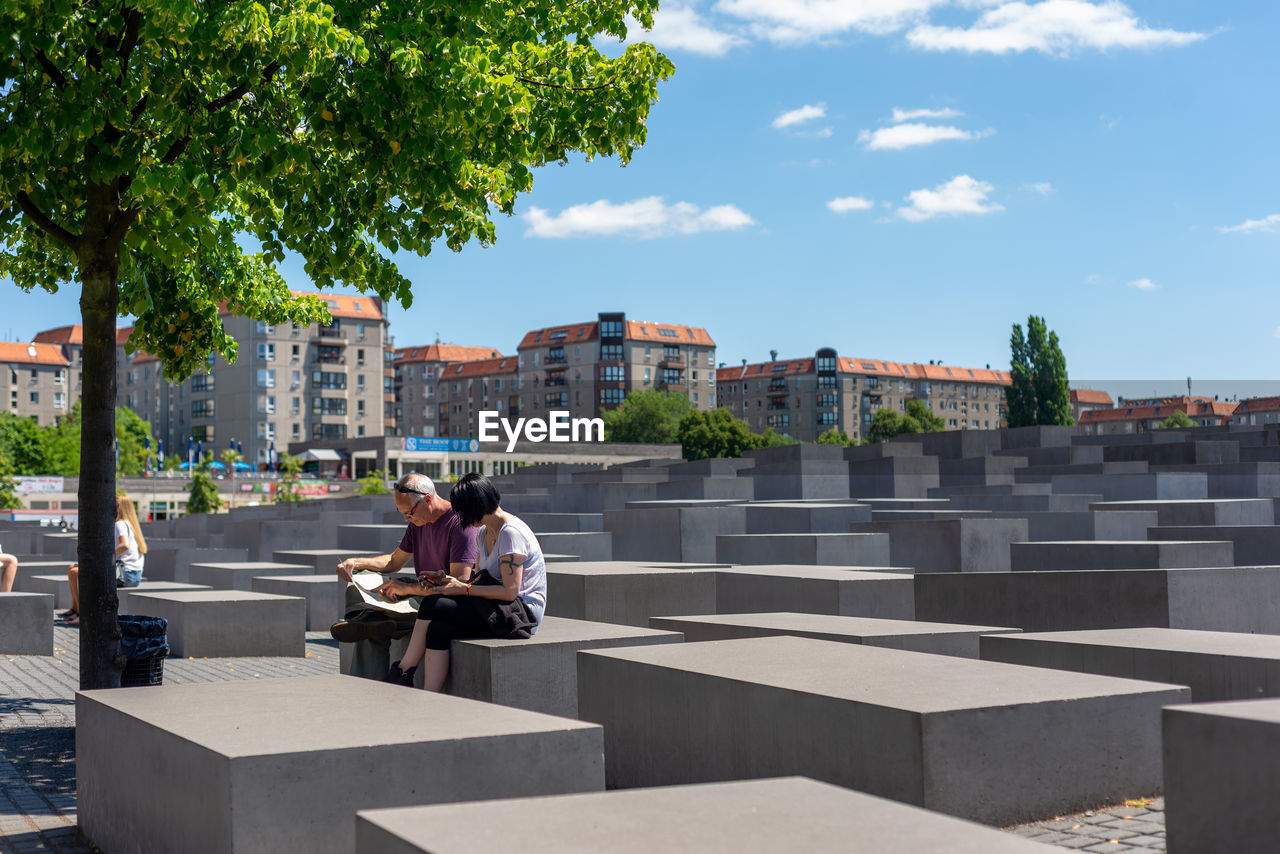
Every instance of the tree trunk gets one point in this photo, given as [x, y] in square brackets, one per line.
[100, 661]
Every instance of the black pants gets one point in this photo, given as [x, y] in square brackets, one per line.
[457, 617]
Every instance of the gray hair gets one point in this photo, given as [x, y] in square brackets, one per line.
[415, 482]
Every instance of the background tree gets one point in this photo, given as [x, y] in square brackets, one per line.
[287, 485]
[373, 483]
[709, 435]
[885, 424]
[1039, 393]
[919, 412]
[142, 142]
[834, 436]
[772, 439]
[22, 442]
[647, 415]
[1177, 419]
[203, 497]
[9, 498]
[133, 435]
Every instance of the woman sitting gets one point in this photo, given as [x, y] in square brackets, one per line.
[131, 548]
[505, 597]
[8, 572]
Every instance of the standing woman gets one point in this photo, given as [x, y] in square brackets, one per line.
[131, 547]
[505, 597]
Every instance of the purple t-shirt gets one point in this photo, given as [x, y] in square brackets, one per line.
[436, 545]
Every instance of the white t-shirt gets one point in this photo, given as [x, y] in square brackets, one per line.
[132, 559]
[516, 538]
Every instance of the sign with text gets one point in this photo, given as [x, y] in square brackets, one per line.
[431, 443]
[38, 485]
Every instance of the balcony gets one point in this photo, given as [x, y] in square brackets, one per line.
[556, 381]
[554, 360]
[674, 360]
[776, 404]
[778, 387]
[329, 359]
[330, 336]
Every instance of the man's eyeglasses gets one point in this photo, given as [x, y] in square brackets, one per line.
[408, 513]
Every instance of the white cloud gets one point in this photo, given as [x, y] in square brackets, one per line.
[800, 115]
[1052, 26]
[850, 203]
[900, 116]
[1043, 188]
[799, 21]
[960, 196]
[645, 218]
[682, 28]
[1144, 284]
[898, 137]
[1276, 334]
[1093, 278]
[1249, 226]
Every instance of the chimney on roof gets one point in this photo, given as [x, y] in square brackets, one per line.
[773, 355]
[744, 363]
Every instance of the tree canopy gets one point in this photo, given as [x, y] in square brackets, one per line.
[719, 433]
[1177, 419]
[647, 415]
[918, 418]
[1038, 392]
[166, 155]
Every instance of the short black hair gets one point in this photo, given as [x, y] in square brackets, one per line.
[474, 497]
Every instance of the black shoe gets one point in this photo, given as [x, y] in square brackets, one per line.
[363, 625]
[396, 676]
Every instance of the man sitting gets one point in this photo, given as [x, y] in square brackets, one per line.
[439, 546]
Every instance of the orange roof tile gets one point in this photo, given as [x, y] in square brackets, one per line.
[1258, 404]
[15, 352]
[1088, 395]
[122, 335]
[340, 305]
[639, 330]
[1195, 407]
[445, 353]
[573, 332]
[480, 368]
[869, 367]
[61, 335]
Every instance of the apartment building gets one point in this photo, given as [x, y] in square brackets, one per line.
[34, 380]
[416, 371]
[805, 397]
[1257, 410]
[586, 368]
[1140, 416]
[289, 383]
[70, 340]
[1086, 400]
[464, 389]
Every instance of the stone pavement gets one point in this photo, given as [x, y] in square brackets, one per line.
[37, 753]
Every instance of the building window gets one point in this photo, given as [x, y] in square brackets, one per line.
[266, 378]
[202, 382]
[611, 329]
[328, 379]
[266, 328]
[559, 399]
[826, 418]
[202, 409]
[611, 396]
[615, 373]
[826, 400]
[267, 352]
[266, 430]
[328, 431]
[359, 407]
[35, 397]
[610, 352]
[202, 432]
[360, 382]
[328, 406]
[266, 404]
[59, 400]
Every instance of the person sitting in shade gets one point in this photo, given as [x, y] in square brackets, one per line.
[131, 550]
[504, 598]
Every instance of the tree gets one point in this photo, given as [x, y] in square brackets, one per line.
[834, 436]
[1038, 393]
[649, 416]
[203, 497]
[708, 435]
[373, 483]
[919, 411]
[1177, 419]
[146, 144]
[135, 443]
[287, 486]
[9, 498]
[771, 439]
[885, 424]
[22, 442]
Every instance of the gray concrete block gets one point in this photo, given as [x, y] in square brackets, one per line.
[31, 575]
[672, 531]
[325, 595]
[126, 594]
[60, 545]
[222, 623]
[762, 816]
[1220, 781]
[844, 591]
[1052, 556]
[628, 594]
[1227, 599]
[954, 735]
[950, 545]
[323, 561]
[893, 477]
[539, 674]
[172, 564]
[736, 488]
[262, 537]
[1216, 666]
[782, 517]
[240, 575]
[935, 638]
[1252, 545]
[1150, 486]
[275, 765]
[589, 545]
[564, 522]
[26, 624]
[54, 585]
[867, 549]
[1239, 511]
[379, 539]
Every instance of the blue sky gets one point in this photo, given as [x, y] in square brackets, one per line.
[1110, 166]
